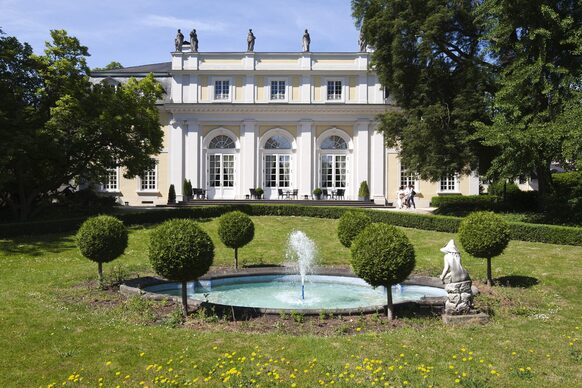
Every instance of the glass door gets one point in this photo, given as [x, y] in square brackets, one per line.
[221, 184]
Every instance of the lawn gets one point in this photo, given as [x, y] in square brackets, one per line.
[57, 327]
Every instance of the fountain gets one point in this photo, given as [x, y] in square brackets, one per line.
[272, 290]
[301, 250]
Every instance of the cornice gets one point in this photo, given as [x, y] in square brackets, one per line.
[281, 108]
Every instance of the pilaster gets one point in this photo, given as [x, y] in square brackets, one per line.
[192, 147]
[177, 156]
[361, 154]
[304, 175]
[248, 157]
[377, 166]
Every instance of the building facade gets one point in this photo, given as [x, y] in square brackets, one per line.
[280, 121]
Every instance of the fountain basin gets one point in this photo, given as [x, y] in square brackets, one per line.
[276, 291]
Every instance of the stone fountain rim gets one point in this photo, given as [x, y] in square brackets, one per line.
[136, 287]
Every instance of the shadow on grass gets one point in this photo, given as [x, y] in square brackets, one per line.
[516, 281]
[36, 245]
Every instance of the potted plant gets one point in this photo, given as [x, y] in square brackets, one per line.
[317, 192]
[187, 190]
[364, 192]
[259, 190]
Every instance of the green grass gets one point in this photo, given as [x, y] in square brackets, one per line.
[54, 324]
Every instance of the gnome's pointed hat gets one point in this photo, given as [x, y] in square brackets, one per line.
[450, 247]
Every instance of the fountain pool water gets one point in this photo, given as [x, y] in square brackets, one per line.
[301, 250]
[283, 292]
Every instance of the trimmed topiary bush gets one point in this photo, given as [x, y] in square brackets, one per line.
[350, 224]
[383, 256]
[484, 235]
[102, 239]
[364, 191]
[236, 230]
[172, 194]
[180, 251]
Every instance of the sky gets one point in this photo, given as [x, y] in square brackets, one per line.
[137, 32]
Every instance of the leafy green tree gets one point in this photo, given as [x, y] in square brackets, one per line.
[58, 128]
[180, 250]
[350, 224]
[537, 45]
[429, 56]
[236, 230]
[111, 66]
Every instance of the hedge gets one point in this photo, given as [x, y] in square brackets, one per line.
[476, 201]
[550, 234]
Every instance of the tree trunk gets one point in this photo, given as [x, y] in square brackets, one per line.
[235, 258]
[489, 278]
[389, 304]
[545, 185]
[100, 272]
[185, 299]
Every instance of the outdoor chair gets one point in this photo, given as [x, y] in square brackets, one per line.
[324, 194]
[340, 193]
[295, 193]
[254, 194]
[281, 194]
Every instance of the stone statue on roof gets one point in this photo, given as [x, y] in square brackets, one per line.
[362, 42]
[250, 41]
[179, 41]
[193, 41]
[306, 41]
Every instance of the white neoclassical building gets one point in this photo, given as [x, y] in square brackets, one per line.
[234, 121]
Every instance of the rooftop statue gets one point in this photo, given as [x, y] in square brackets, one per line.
[251, 41]
[179, 41]
[362, 42]
[193, 41]
[306, 41]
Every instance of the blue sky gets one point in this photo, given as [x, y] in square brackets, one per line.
[136, 32]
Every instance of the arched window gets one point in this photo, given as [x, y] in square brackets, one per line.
[334, 142]
[221, 142]
[278, 142]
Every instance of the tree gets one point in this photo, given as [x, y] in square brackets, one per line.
[537, 45]
[111, 66]
[58, 128]
[179, 250]
[484, 235]
[350, 224]
[429, 56]
[383, 256]
[236, 230]
[102, 239]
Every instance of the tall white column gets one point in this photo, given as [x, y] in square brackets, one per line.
[192, 154]
[361, 158]
[377, 166]
[177, 156]
[304, 155]
[248, 157]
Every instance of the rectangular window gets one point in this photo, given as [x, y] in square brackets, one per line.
[214, 170]
[327, 171]
[221, 89]
[340, 171]
[406, 178]
[334, 90]
[149, 180]
[228, 170]
[449, 183]
[111, 182]
[278, 90]
[277, 170]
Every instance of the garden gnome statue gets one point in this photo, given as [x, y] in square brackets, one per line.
[251, 41]
[457, 282]
[306, 41]
[179, 41]
[193, 41]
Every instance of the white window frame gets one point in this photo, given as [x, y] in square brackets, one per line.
[456, 184]
[268, 89]
[104, 186]
[213, 88]
[342, 98]
[414, 177]
[141, 182]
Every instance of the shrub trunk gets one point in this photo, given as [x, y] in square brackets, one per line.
[489, 278]
[235, 258]
[389, 304]
[100, 271]
[185, 299]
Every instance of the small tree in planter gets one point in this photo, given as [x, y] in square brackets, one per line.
[236, 230]
[364, 192]
[383, 256]
[350, 224]
[102, 239]
[187, 190]
[260, 192]
[180, 251]
[484, 235]
[317, 192]
[171, 195]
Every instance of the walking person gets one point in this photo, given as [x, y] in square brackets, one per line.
[400, 197]
[411, 195]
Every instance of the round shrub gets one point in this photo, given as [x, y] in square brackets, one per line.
[179, 250]
[102, 239]
[484, 235]
[236, 230]
[350, 224]
[383, 256]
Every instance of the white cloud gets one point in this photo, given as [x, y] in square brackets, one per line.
[174, 22]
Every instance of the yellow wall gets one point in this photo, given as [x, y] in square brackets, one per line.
[319, 129]
[296, 89]
[203, 88]
[239, 90]
[316, 82]
[353, 88]
[292, 129]
[234, 128]
[260, 82]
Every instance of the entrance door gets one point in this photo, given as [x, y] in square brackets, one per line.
[221, 176]
[277, 174]
[333, 171]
